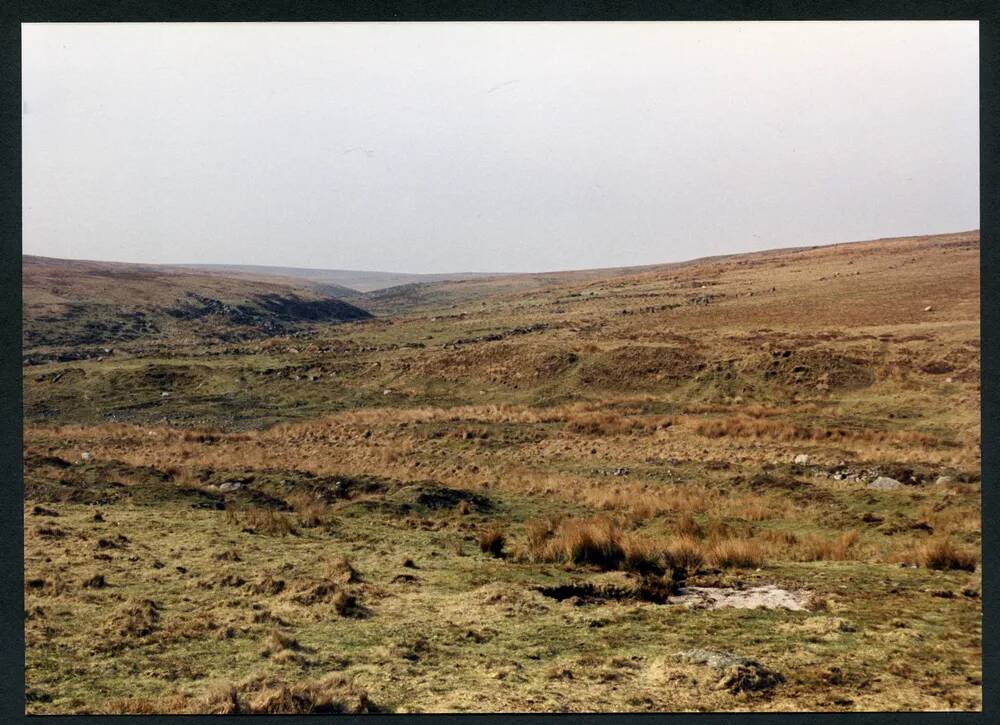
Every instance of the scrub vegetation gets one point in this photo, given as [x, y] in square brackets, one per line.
[740, 483]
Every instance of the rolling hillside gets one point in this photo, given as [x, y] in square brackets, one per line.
[743, 483]
[74, 308]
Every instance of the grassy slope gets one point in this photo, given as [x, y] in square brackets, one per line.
[73, 306]
[695, 397]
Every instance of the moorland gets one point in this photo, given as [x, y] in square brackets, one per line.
[748, 482]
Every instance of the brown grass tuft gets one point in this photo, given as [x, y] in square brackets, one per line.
[342, 572]
[686, 552]
[492, 540]
[346, 605]
[315, 593]
[739, 553]
[743, 426]
[96, 582]
[331, 695]
[596, 541]
[603, 423]
[641, 555]
[539, 531]
[257, 520]
[839, 548]
[268, 585]
[334, 694]
[139, 618]
[223, 700]
[167, 705]
[278, 640]
[310, 510]
[943, 554]
[687, 527]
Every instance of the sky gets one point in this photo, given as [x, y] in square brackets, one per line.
[492, 147]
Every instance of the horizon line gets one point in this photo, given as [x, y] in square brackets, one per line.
[197, 265]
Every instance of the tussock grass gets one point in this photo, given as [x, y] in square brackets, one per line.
[342, 571]
[259, 520]
[687, 527]
[333, 694]
[277, 641]
[310, 509]
[942, 554]
[345, 604]
[685, 552]
[637, 499]
[597, 541]
[602, 541]
[139, 618]
[738, 553]
[755, 508]
[611, 423]
[492, 539]
[842, 547]
[744, 426]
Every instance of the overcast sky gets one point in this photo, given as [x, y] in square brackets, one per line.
[492, 146]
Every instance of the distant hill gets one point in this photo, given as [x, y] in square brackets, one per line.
[447, 293]
[764, 326]
[79, 307]
[348, 280]
[87, 305]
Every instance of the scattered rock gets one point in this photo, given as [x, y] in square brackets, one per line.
[928, 308]
[622, 471]
[86, 455]
[944, 481]
[739, 674]
[801, 459]
[766, 597]
[884, 483]
[96, 582]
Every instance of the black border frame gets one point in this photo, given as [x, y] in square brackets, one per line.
[11, 434]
